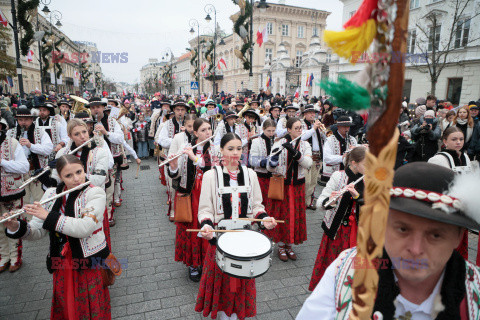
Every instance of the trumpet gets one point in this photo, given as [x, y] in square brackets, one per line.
[261, 112]
[19, 212]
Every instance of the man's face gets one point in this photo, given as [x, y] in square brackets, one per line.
[474, 112]
[64, 108]
[113, 104]
[179, 112]
[25, 122]
[275, 112]
[419, 247]
[310, 116]
[44, 113]
[291, 113]
[430, 103]
[249, 119]
[97, 110]
[254, 105]
[343, 130]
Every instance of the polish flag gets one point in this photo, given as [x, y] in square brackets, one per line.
[297, 94]
[3, 19]
[30, 56]
[203, 67]
[262, 36]
[223, 62]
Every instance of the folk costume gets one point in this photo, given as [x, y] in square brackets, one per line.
[334, 148]
[246, 131]
[455, 294]
[37, 155]
[187, 180]
[169, 130]
[55, 126]
[281, 129]
[13, 165]
[316, 138]
[260, 150]
[460, 164]
[210, 115]
[220, 294]
[292, 163]
[340, 222]
[77, 244]
[223, 128]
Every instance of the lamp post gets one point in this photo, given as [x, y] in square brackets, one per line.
[57, 15]
[169, 51]
[45, 10]
[17, 50]
[262, 5]
[194, 23]
[209, 8]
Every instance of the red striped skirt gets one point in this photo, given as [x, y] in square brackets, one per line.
[264, 184]
[189, 248]
[220, 292]
[292, 210]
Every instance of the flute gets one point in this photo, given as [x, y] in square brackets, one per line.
[18, 212]
[342, 191]
[26, 183]
[180, 153]
[277, 152]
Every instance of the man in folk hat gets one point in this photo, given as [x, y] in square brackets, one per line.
[65, 107]
[168, 131]
[281, 130]
[421, 275]
[336, 147]
[274, 113]
[315, 136]
[227, 125]
[211, 113]
[37, 146]
[113, 136]
[158, 116]
[54, 126]
[13, 165]
[248, 130]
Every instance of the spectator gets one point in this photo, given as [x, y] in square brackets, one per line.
[464, 121]
[426, 134]
[474, 112]
[431, 103]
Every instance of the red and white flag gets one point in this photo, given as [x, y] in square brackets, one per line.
[3, 19]
[221, 61]
[262, 36]
[203, 67]
[297, 94]
[30, 56]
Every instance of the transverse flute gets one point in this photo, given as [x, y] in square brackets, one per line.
[342, 191]
[180, 153]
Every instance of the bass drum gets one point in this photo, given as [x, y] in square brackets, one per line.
[244, 255]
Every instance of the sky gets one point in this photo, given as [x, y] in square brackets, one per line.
[147, 28]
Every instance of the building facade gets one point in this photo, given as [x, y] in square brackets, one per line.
[182, 75]
[459, 82]
[149, 74]
[290, 30]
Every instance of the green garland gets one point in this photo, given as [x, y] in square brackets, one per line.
[209, 53]
[23, 8]
[243, 21]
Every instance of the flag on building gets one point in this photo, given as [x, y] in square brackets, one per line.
[30, 56]
[3, 19]
[222, 61]
[310, 82]
[124, 91]
[204, 65]
[269, 82]
[297, 94]
[262, 36]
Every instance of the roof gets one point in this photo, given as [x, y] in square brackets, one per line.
[184, 56]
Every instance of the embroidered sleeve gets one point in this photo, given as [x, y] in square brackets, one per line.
[54, 221]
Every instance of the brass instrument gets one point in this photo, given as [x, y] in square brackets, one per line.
[262, 112]
[245, 108]
[79, 105]
[218, 117]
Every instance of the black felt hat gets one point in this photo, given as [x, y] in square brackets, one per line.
[434, 192]
[95, 101]
[23, 112]
[48, 106]
[252, 113]
[344, 121]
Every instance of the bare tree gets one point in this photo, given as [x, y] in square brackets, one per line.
[439, 52]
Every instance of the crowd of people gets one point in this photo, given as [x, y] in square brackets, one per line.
[257, 160]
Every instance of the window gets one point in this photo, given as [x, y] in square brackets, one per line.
[411, 40]
[454, 90]
[329, 58]
[269, 27]
[461, 34]
[300, 32]
[315, 31]
[268, 54]
[414, 4]
[407, 88]
[298, 58]
[434, 37]
[284, 29]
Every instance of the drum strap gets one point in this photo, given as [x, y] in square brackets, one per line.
[234, 191]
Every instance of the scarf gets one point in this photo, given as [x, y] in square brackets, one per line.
[85, 153]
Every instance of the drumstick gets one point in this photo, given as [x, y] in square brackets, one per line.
[259, 220]
[198, 230]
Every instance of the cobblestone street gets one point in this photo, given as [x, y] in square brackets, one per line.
[153, 286]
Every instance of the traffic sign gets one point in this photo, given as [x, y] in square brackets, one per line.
[194, 85]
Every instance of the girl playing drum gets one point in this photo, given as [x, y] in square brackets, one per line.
[220, 294]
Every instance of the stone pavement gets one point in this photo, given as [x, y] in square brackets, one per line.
[153, 286]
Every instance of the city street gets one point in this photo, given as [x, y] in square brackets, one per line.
[153, 286]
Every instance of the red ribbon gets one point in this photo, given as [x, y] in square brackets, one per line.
[291, 205]
[69, 312]
[353, 227]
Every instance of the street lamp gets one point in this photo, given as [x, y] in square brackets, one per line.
[262, 6]
[194, 23]
[57, 15]
[209, 8]
[17, 49]
[167, 52]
